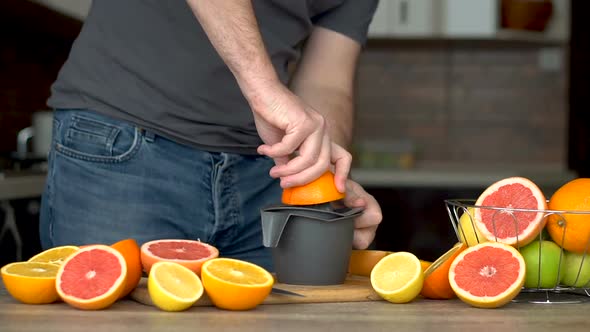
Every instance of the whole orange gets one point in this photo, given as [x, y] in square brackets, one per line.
[131, 252]
[321, 190]
[571, 231]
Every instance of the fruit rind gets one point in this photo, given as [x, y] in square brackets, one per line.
[148, 258]
[315, 192]
[439, 270]
[100, 302]
[133, 260]
[409, 291]
[43, 294]
[525, 236]
[166, 300]
[467, 230]
[224, 295]
[362, 261]
[492, 301]
[571, 231]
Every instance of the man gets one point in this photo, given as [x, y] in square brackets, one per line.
[171, 115]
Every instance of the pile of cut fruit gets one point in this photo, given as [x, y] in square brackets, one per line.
[94, 277]
[509, 239]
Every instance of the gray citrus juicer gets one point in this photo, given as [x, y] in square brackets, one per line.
[311, 245]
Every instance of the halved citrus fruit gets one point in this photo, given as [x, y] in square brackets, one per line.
[436, 275]
[234, 284]
[362, 261]
[132, 254]
[398, 277]
[55, 255]
[516, 228]
[173, 287]
[31, 282]
[488, 275]
[571, 230]
[92, 278]
[189, 253]
[321, 190]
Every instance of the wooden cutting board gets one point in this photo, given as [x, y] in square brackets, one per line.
[354, 289]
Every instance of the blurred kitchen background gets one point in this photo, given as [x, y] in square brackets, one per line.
[452, 95]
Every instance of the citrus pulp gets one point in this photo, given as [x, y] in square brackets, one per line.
[487, 275]
[189, 253]
[55, 255]
[31, 282]
[398, 277]
[92, 278]
[504, 224]
[234, 284]
[173, 287]
[362, 261]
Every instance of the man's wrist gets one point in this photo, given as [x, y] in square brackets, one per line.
[255, 84]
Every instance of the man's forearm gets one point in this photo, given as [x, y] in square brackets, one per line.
[324, 78]
[335, 105]
[233, 31]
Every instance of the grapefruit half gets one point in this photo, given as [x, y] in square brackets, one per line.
[504, 224]
[189, 253]
[92, 278]
[487, 275]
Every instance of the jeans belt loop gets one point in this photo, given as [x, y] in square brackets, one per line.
[149, 136]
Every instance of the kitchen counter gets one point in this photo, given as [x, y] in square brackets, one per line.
[420, 315]
[24, 184]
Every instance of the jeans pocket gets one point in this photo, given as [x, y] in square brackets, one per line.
[91, 137]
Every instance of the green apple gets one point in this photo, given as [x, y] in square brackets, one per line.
[573, 261]
[468, 232]
[542, 261]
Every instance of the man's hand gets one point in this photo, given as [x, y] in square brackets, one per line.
[366, 224]
[295, 135]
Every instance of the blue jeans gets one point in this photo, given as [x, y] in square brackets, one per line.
[109, 180]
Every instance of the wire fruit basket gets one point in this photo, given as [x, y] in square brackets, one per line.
[554, 273]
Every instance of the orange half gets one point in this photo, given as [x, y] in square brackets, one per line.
[234, 284]
[31, 282]
[321, 190]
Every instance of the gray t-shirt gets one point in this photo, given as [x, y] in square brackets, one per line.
[150, 63]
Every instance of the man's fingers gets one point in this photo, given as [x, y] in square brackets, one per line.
[311, 154]
[363, 237]
[342, 160]
[308, 174]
